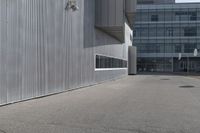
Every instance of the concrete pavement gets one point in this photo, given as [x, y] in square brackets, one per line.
[135, 104]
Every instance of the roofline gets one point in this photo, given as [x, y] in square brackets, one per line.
[168, 4]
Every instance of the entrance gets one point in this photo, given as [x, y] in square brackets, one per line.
[186, 65]
[183, 66]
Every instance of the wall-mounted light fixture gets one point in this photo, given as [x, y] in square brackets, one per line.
[72, 5]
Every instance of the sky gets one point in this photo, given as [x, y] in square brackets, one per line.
[183, 1]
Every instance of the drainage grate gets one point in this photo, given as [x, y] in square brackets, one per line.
[164, 79]
[187, 86]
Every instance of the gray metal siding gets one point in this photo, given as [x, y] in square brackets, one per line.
[130, 11]
[110, 17]
[131, 6]
[88, 65]
[34, 49]
[3, 27]
[45, 49]
[109, 13]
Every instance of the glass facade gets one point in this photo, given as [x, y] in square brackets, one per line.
[161, 32]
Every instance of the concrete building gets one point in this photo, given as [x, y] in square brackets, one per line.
[166, 36]
[48, 46]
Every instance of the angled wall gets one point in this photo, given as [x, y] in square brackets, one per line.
[130, 11]
[110, 17]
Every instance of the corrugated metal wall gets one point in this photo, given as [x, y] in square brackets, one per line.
[45, 49]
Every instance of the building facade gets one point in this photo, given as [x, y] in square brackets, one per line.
[166, 37]
[48, 46]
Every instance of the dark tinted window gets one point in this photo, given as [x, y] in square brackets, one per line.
[193, 16]
[154, 18]
[169, 31]
[189, 48]
[97, 61]
[108, 62]
[190, 31]
[178, 48]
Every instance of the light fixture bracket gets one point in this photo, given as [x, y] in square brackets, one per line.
[72, 5]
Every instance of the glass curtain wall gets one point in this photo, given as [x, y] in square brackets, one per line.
[161, 34]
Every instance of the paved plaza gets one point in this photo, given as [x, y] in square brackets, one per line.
[133, 104]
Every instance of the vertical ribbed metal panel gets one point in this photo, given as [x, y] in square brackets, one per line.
[87, 58]
[45, 49]
[34, 50]
[3, 42]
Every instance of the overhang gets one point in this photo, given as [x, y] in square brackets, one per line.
[130, 11]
